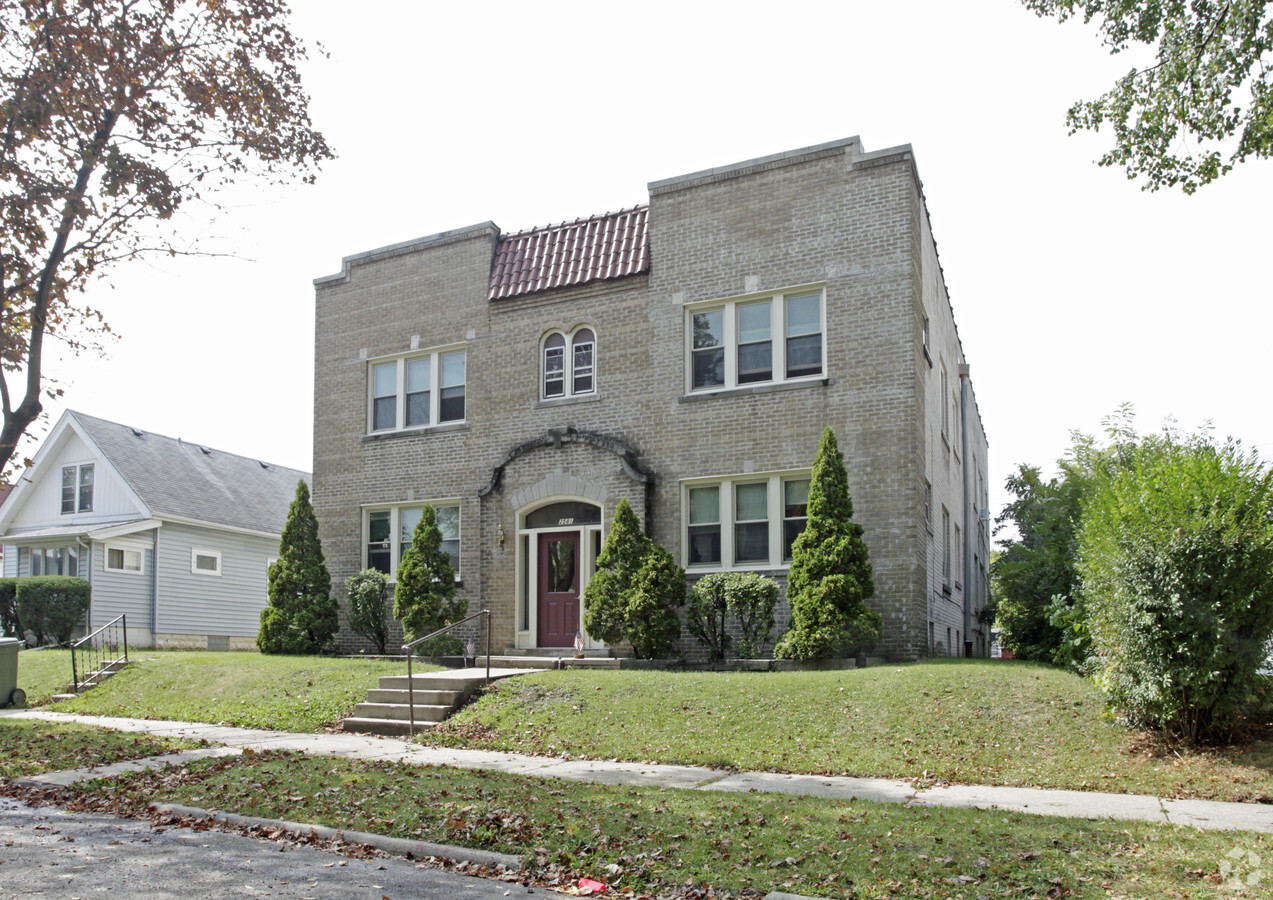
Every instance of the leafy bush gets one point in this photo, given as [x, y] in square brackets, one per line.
[830, 574]
[302, 616]
[9, 622]
[368, 595]
[747, 597]
[1177, 566]
[634, 593]
[51, 606]
[424, 599]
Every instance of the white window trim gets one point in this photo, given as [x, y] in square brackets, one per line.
[125, 549]
[775, 507]
[195, 553]
[434, 355]
[395, 529]
[777, 337]
[568, 363]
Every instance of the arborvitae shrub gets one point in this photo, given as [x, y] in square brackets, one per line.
[424, 599]
[368, 596]
[302, 616]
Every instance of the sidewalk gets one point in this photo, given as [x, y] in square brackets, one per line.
[1207, 814]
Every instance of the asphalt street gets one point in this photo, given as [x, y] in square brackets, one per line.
[49, 852]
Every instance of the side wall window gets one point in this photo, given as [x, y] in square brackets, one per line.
[568, 364]
[403, 393]
[756, 341]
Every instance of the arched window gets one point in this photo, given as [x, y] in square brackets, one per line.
[570, 363]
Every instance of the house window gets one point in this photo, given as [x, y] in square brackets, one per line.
[945, 553]
[77, 489]
[121, 559]
[928, 505]
[570, 363]
[945, 408]
[205, 562]
[385, 554]
[403, 394]
[54, 560]
[956, 563]
[749, 521]
[756, 341]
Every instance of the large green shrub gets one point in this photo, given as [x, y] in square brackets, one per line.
[830, 575]
[302, 616]
[1176, 558]
[10, 624]
[634, 593]
[745, 597]
[51, 606]
[368, 596]
[424, 599]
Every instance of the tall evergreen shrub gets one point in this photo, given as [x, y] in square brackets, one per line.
[424, 599]
[368, 595]
[830, 575]
[302, 615]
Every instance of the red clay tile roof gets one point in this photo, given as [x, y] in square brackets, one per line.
[608, 246]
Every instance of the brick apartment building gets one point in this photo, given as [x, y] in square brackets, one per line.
[685, 355]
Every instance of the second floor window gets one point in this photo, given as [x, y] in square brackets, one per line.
[417, 391]
[77, 489]
[760, 341]
[570, 364]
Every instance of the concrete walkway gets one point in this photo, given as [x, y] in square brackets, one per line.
[1207, 814]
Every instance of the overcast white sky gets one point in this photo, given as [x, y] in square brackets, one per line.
[1073, 290]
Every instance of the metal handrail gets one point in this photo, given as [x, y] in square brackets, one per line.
[122, 622]
[409, 649]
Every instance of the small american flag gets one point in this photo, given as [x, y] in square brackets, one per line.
[578, 642]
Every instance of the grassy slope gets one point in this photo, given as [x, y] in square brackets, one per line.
[972, 722]
[43, 673]
[289, 693]
[31, 748]
[660, 838]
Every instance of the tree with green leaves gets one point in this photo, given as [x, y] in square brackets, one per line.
[367, 593]
[302, 616]
[830, 576]
[114, 118]
[424, 599]
[635, 590]
[1176, 560]
[1204, 104]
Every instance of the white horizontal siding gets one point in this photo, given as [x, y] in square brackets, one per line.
[43, 505]
[121, 593]
[228, 604]
[10, 561]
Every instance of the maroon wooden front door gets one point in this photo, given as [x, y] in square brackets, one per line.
[558, 588]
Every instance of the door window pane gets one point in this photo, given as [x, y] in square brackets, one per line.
[561, 567]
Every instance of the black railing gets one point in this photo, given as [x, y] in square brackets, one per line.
[99, 652]
[409, 649]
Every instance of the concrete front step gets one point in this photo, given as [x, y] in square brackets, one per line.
[421, 696]
[383, 726]
[395, 711]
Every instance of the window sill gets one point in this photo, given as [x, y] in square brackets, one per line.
[713, 570]
[756, 389]
[414, 432]
[566, 401]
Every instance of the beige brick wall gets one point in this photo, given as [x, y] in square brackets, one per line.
[829, 217]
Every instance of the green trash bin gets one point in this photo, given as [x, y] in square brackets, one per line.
[10, 693]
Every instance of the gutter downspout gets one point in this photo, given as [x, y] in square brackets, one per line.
[154, 585]
[966, 549]
[88, 616]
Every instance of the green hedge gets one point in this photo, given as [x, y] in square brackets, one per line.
[10, 624]
[50, 606]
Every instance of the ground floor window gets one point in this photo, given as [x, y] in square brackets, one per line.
[54, 560]
[122, 559]
[389, 531]
[743, 521]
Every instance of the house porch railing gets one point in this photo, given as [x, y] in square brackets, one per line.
[409, 649]
[104, 649]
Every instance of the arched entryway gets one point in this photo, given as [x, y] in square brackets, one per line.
[558, 540]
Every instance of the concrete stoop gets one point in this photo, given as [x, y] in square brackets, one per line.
[437, 695]
[91, 680]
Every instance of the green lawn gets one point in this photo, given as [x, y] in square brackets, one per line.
[31, 748]
[289, 693]
[978, 722]
[655, 841]
[43, 673]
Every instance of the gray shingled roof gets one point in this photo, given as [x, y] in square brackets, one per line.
[192, 481]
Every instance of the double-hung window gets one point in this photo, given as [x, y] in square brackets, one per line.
[417, 391]
[77, 488]
[54, 560]
[745, 521]
[757, 340]
[384, 553]
[569, 363]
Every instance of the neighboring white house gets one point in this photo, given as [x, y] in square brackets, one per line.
[176, 535]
